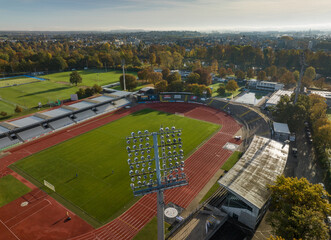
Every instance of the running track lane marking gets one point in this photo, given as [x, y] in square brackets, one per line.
[128, 224]
[10, 230]
[245, 113]
[33, 213]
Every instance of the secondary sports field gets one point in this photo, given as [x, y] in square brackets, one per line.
[16, 81]
[89, 77]
[101, 186]
[29, 95]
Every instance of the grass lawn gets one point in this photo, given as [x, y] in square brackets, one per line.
[89, 77]
[99, 158]
[328, 112]
[19, 80]
[6, 107]
[11, 189]
[149, 232]
[233, 159]
[227, 93]
[30, 95]
[226, 167]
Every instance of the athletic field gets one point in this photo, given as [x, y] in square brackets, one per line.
[91, 171]
[11, 189]
[89, 77]
[6, 82]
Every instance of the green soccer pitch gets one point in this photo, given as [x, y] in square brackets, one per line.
[101, 188]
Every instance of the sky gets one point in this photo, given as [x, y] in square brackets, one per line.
[196, 15]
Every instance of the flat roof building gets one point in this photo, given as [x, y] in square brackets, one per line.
[275, 97]
[281, 131]
[247, 180]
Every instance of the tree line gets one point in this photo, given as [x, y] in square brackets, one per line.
[40, 56]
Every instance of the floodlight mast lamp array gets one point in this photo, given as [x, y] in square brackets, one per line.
[154, 172]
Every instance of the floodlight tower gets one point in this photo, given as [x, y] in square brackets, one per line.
[156, 162]
[123, 65]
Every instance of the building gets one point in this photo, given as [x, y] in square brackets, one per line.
[275, 97]
[325, 94]
[247, 180]
[264, 85]
[281, 131]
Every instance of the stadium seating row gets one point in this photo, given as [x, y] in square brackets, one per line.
[58, 123]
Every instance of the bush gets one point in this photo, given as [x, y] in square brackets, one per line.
[18, 109]
[221, 90]
[3, 113]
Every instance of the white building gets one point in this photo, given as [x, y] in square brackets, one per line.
[264, 85]
[247, 180]
[325, 94]
[281, 131]
[275, 97]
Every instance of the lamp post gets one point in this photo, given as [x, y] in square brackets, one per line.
[156, 162]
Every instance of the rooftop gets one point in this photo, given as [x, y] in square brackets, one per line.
[82, 104]
[281, 128]
[324, 94]
[56, 112]
[26, 121]
[274, 99]
[263, 161]
[102, 99]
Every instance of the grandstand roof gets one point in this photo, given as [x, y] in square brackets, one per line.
[102, 99]
[263, 161]
[275, 97]
[82, 104]
[56, 112]
[3, 130]
[117, 94]
[324, 94]
[26, 121]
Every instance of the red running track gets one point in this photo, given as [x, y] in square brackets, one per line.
[200, 166]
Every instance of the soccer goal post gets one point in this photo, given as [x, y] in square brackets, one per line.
[50, 186]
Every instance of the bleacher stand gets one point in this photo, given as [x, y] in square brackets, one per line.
[60, 123]
[33, 132]
[83, 115]
[104, 108]
[121, 102]
[7, 142]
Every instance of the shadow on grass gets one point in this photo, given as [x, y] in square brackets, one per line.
[46, 91]
[148, 110]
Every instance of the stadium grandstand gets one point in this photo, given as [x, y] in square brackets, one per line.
[256, 123]
[26, 128]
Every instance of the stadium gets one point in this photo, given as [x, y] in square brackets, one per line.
[72, 159]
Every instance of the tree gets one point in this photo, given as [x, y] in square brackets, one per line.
[165, 73]
[287, 79]
[320, 83]
[175, 86]
[81, 93]
[205, 76]
[221, 90]
[261, 75]
[214, 66]
[152, 59]
[240, 74]
[250, 73]
[199, 90]
[231, 86]
[75, 78]
[96, 89]
[18, 109]
[175, 76]
[310, 73]
[161, 86]
[130, 82]
[154, 77]
[223, 72]
[193, 78]
[299, 209]
[229, 71]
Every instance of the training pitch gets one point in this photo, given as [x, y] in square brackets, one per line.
[91, 171]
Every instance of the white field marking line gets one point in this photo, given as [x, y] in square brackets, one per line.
[10, 230]
[34, 212]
